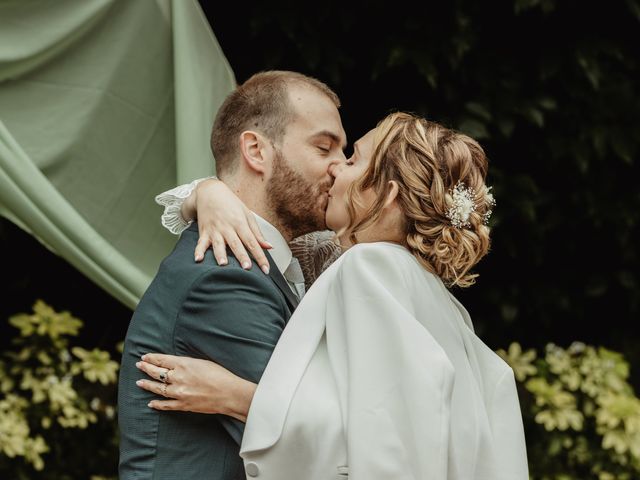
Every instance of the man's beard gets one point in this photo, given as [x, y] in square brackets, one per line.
[299, 205]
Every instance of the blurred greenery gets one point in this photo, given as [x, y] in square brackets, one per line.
[57, 407]
[582, 418]
[57, 402]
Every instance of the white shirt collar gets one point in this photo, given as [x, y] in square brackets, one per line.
[281, 253]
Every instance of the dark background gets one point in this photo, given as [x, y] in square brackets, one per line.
[548, 88]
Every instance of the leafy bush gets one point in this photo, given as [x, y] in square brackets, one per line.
[57, 407]
[56, 402]
[582, 418]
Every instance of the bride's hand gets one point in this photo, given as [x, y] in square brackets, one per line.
[194, 385]
[224, 220]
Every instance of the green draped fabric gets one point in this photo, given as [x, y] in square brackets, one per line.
[104, 104]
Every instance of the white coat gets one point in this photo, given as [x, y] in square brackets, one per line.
[379, 376]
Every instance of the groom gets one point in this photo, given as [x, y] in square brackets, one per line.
[274, 139]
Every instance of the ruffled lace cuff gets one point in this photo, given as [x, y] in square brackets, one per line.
[172, 201]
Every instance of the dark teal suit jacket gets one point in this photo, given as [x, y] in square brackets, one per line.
[224, 314]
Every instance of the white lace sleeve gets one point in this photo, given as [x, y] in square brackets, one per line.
[172, 201]
[315, 252]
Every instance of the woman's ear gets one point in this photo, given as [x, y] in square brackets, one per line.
[392, 194]
[253, 151]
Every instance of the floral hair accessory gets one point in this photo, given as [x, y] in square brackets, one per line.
[463, 205]
[492, 203]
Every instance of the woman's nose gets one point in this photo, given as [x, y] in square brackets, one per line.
[336, 161]
[336, 168]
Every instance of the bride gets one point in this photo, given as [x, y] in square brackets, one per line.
[378, 374]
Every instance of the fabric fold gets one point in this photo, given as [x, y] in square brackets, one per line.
[90, 126]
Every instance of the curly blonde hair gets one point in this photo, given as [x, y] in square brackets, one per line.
[427, 161]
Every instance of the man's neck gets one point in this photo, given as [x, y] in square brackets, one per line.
[266, 213]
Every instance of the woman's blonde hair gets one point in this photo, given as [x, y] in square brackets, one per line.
[427, 161]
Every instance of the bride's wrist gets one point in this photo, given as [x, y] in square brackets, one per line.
[239, 399]
[188, 208]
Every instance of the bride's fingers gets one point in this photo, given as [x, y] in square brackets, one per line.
[159, 388]
[151, 370]
[249, 239]
[161, 360]
[201, 247]
[219, 249]
[253, 225]
[166, 405]
[236, 246]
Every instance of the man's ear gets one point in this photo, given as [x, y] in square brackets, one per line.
[392, 194]
[254, 149]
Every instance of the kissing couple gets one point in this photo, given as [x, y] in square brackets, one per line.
[339, 351]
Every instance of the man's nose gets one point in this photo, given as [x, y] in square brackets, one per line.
[335, 168]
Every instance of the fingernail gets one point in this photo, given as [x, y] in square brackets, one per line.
[144, 357]
[265, 269]
[138, 364]
[197, 258]
[149, 405]
[246, 265]
[139, 383]
[223, 261]
[269, 245]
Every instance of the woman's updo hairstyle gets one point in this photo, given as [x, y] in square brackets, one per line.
[430, 163]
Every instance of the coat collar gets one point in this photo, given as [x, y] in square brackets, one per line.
[279, 258]
[281, 253]
[281, 283]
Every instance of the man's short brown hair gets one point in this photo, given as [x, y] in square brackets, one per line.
[262, 104]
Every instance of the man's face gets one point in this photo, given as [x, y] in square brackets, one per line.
[313, 144]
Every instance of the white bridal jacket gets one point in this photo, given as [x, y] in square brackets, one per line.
[379, 376]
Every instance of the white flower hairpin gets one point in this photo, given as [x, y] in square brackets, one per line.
[492, 203]
[464, 204]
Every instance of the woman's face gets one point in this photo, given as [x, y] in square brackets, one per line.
[345, 174]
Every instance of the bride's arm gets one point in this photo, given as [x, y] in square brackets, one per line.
[316, 252]
[222, 220]
[196, 385]
[179, 207]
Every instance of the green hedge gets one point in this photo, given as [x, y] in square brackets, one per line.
[57, 407]
[57, 402]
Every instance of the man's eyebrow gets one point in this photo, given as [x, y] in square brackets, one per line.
[334, 137]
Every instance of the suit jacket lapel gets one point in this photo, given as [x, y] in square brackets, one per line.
[281, 283]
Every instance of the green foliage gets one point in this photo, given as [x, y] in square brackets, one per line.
[582, 418]
[56, 402]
